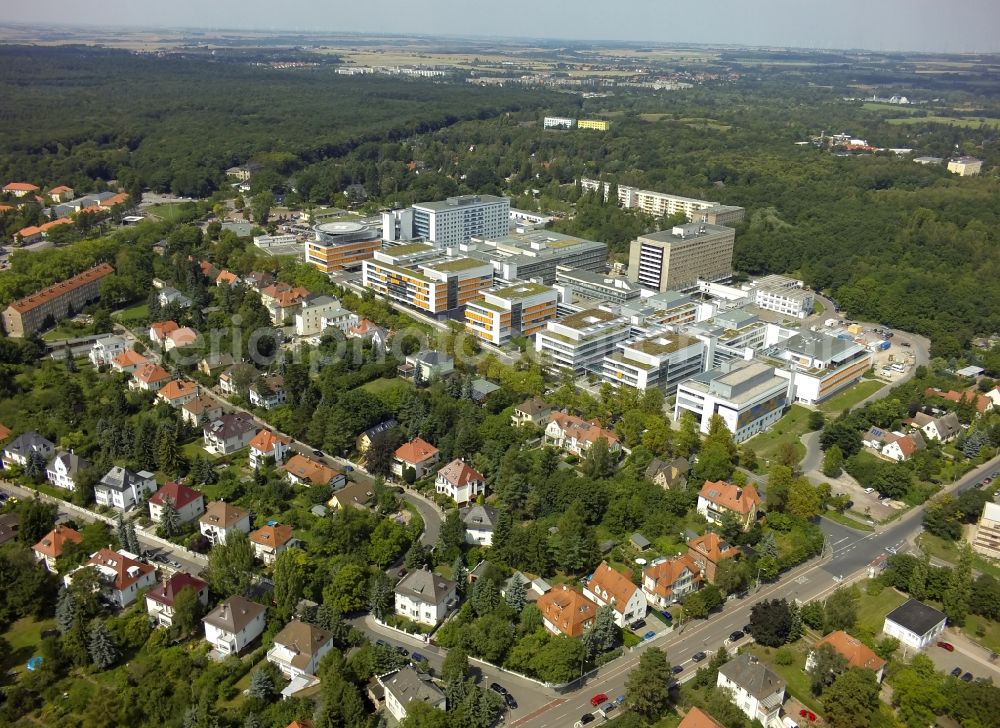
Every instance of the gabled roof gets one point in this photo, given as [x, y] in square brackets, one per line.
[162, 328]
[26, 443]
[165, 592]
[176, 389]
[947, 425]
[124, 571]
[122, 479]
[757, 679]
[478, 518]
[4, 433]
[230, 425]
[309, 471]
[226, 276]
[567, 609]
[72, 462]
[304, 640]
[381, 427]
[731, 497]
[234, 614]
[668, 468]
[130, 358]
[60, 189]
[265, 441]
[53, 543]
[666, 573]
[415, 451]
[425, 586]
[272, 536]
[697, 718]
[61, 288]
[184, 336]
[612, 586]
[853, 650]
[201, 403]
[20, 187]
[408, 686]
[909, 444]
[459, 473]
[534, 407]
[581, 430]
[222, 515]
[353, 494]
[916, 616]
[151, 373]
[178, 494]
[713, 547]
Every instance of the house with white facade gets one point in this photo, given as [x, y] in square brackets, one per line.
[460, 482]
[479, 524]
[229, 433]
[755, 689]
[298, 648]
[53, 545]
[575, 435]
[104, 350]
[666, 581]
[160, 599]
[943, 429]
[122, 489]
[309, 319]
[268, 392]
[64, 468]
[424, 597]
[610, 588]
[417, 454]
[270, 541]
[915, 624]
[17, 451]
[856, 652]
[121, 575]
[188, 503]
[234, 624]
[221, 518]
[534, 411]
[406, 687]
[267, 445]
[715, 499]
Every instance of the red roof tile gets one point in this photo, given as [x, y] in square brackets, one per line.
[63, 287]
[53, 543]
[416, 451]
[177, 493]
[729, 496]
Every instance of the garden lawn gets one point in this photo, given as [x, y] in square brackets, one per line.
[872, 609]
[851, 396]
[845, 520]
[132, 314]
[794, 675]
[381, 386]
[23, 636]
[788, 429]
[991, 631]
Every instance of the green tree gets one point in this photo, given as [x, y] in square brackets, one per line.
[456, 665]
[816, 420]
[841, 609]
[646, 688]
[261, 685]
[516, 596]
[451, 537]
[66, 611]
[959, 591]
[289, 579]
[804, 500]
[380, 596]
[347, 590]
[231, 564]
[852, 700]
[833, 462]
[714, 462]
[37, 519]
[103, 650]
[917, 584]
[188, 611]
[170, 520]
[576, 545]
[771, 622]
[598, 463]
[603, 635]
[827, 664]
[260, 207]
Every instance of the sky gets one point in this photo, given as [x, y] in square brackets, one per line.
[951, 26]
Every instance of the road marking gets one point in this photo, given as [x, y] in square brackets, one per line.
[841, 540]
[537, 712]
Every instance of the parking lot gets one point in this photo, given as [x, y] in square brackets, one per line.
[966, 657]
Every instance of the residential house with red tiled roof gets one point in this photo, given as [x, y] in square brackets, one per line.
[128, 361]
[122, 577]
[62, 193]
[981, 402]
[576, 435]
[902, 447]
[226, 278]
[158, 331]
[305, 471]
[715, 499]
[203, 408]
[4, 433]
[160, 599]
[710, 550]
[856, 652]
[566, 611]
[417, 454]
[178, 391]
[269, 541]
[188, 503]
[184, 336]
[19, 189]
[149, 378]
[698, 718]
[282, 301]
[268, 445]
[221, 518]
[610, 588]
[665, 582]
[53, 544]
[460, 481]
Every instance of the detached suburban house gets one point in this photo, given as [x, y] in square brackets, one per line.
[534, 411]
[122, 489]
[479, 523]
[267, 445]
[417, 454]
[356, 495]
[269, 541]
[159, 331]
[668, 473]
[188, 503]
[64, 468]
[756, 690]
[424, 597]
[297, 650]
[856, 653]
[17, 450]
[566, 611]
[697, 718]
[234, 624]
[105, 350]
[178, 392]
[229, 433]
[149, 378]
[303, 471]
[222, 518]
[429, 364]
[665, 582]
[406, 687]
[201, 410]
[53, 544]
[366, 438]
[716, 499]
[575, 435]
[944, 428]
[128, 361]
[708, 551]
[123, 577]
[460, 482]
[915, 624]
[160, 599]
[610, 588]
[268, 392]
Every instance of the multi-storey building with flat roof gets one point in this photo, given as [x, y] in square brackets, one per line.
[595, 124]
[26, 315]
[535, 255]
[518, 310]
[579, 342]
[659, 360]
[662, 204]
[558, 122]
[820, 365]
[339, 245]
[458, 219]
[748, 395]
[719, 214]
[676, 259]
[783, 295]
[419, 276]
[736, 334]
[965, 166]
[576, 282]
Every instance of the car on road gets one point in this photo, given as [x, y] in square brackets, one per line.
[869, 490]
[946, 646]
[417, 657]
[509, 700]
[319, 454]
[498, 688]
[381, 643]
[586, 718]
[160, 559]
[607, 708]
[676, 669]
[698, 656]
[736, 636]
[403, 651]
[174, 562]
[967, 677]
[956, 672]
[649, 635]
[598, 699]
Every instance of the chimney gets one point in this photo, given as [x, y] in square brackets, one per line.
[739, 493]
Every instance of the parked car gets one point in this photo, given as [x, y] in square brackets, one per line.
[598, 699]
[403, 651]
[509, 700]
[967, 677]
[619, 700]
[946, 646]
[319, 454]
[698, 656]
[869, 490]
[745, 629]
[417, 657]
[381, 643]
[497, 688]
[649, 635]
[667, 615]
[736, 636]
[677, 669]
[587, 718]
[637, 625]
[956, 672]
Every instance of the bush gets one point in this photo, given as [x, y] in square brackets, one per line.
[784, 656]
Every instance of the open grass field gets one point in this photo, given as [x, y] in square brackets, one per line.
[850, 397]
[787, 430]
[169, 212]
[380, 387]
[964, 122]
[132, 314]
[875, 106]
[872, 609]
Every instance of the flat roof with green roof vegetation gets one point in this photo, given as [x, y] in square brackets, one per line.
[583, 318]
[520, 290]
[408, 248]
[483, 303]
[455, 265]
[662, 344]
[402, 270]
